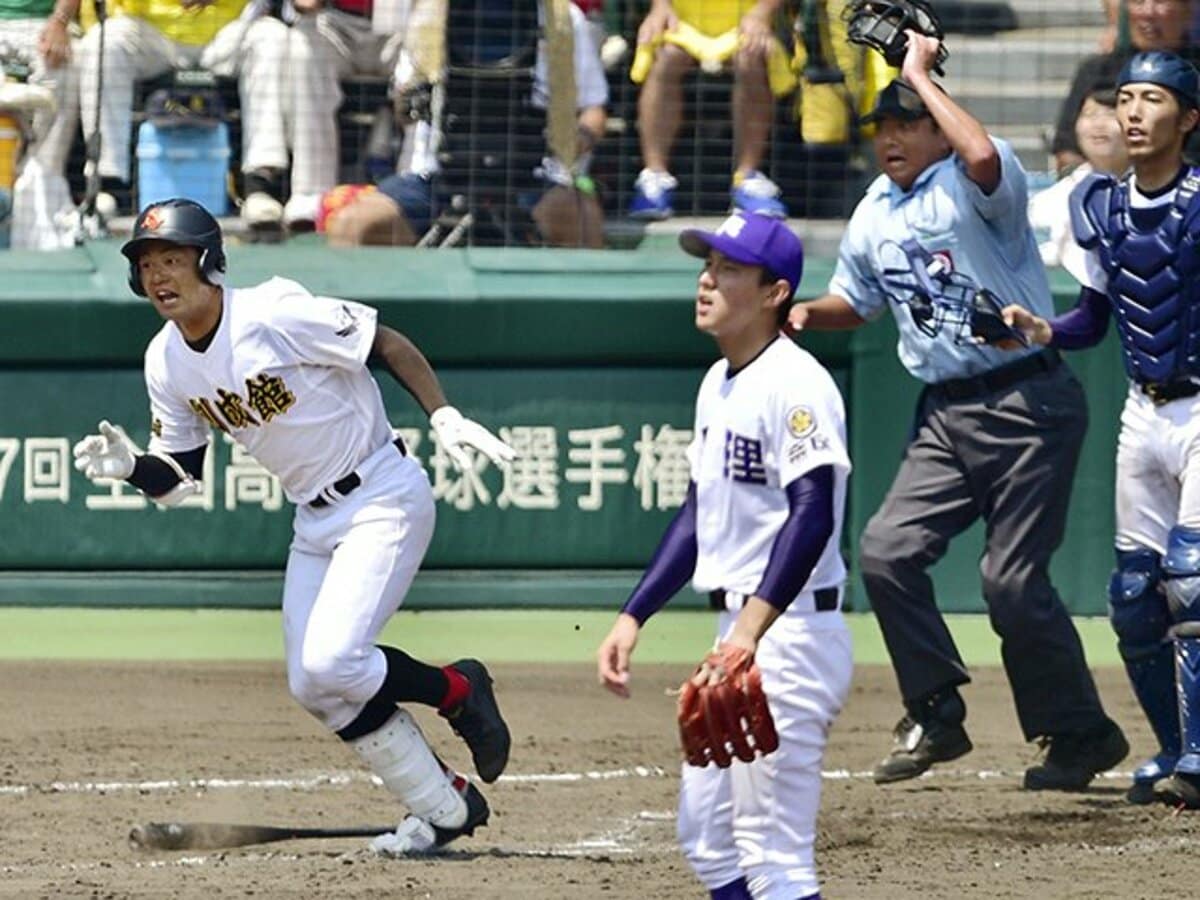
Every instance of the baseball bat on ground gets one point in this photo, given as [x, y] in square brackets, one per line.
[218, 835]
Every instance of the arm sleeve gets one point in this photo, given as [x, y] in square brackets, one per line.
[323, 331]
[154, 476]
[853, 278]
[671, 566]
[1084, 325]
[802, 539]
[1007, 207]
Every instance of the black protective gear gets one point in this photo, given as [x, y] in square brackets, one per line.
[881, 24]
[182, 222]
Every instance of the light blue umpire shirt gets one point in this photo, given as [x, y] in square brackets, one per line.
[962, 239]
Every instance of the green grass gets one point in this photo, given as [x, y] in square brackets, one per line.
[494, 635]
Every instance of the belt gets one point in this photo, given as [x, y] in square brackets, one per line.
[824, 599]
[1161, 392]
[997, 379]
[350, 483]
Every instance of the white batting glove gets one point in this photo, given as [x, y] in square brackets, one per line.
[109, 454]
[455, 433]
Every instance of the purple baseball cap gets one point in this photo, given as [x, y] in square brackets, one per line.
[752, 239]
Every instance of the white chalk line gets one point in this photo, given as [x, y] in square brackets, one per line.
[310, 783]
[344, 779]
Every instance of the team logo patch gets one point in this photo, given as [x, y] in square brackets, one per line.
[156, 428]
[801, 422]
[152, 219]
[347, 321]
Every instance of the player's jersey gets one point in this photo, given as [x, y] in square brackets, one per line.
[1150, 272]
[757, 430]
[285, 376]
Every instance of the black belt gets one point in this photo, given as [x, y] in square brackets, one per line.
[352, 481]
[1161, 392]
[997, 379]
[825, 599]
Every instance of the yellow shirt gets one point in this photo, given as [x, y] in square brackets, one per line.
[195, 27]
[712, 17]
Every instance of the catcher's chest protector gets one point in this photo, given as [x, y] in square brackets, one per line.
[1153, 278]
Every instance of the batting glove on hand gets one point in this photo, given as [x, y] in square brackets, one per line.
[453, 432]
[109, 454]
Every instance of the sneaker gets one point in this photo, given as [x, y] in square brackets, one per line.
[1182, 791]
[260, 210]
[416, 837]
[653, 194]
[477, 721]
[1147, 775]
[932, 734]
[300, 212]
[1073, 760]
[754, 192]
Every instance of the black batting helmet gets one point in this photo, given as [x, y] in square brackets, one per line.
[182, 222]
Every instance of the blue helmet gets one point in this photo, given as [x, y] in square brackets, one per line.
[1164, 69]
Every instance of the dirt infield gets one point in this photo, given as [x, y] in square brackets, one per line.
[587, 810]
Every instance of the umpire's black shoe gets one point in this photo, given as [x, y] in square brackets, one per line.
[477, 721]
[1073, 760]
[1181, 791]
[932, 732]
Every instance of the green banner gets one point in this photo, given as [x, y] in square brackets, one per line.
[601, 468]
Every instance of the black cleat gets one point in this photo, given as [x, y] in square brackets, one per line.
[932, 732]
[918, 747]
[417, 837]
[1181, 791]
[477, 816]
[477, 721]
[1073, 760]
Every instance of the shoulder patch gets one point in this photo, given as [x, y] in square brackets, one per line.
[801, 422]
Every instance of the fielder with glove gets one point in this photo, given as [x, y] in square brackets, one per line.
[285, 375]
[758, 534]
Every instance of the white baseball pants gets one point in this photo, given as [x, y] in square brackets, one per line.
[350, 566]
[1158, 470]
[135, 50]
[759, 820]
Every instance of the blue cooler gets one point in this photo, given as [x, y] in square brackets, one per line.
[190, 161]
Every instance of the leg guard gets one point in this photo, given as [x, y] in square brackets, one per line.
[1181, 570]
[1139, 615]
[398, 754]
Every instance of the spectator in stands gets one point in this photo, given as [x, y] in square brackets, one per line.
[1153, 25]
[148, 38]
[556, 202]
[35, 36]
[1098, 136]
[674, 37]
[330, 40]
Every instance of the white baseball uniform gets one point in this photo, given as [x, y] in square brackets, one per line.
[285, 376]
[757, 430]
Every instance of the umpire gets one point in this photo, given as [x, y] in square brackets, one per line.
[936, 239]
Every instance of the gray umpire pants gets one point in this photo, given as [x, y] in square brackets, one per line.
[1003, 447]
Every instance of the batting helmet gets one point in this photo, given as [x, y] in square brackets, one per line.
[1164, 69]
[182, 222]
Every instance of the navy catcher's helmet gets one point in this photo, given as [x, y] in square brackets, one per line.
[1164, 69]
[182, 222]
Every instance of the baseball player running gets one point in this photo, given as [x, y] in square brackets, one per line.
[1137, 260]
[759, 534]
[285, 374]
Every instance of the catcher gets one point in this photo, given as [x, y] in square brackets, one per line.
[758, 534]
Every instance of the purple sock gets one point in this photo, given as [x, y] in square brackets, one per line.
[735, 890]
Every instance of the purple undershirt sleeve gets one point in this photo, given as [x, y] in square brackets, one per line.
[671, 566]
[802, 539]
[1084, 325]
